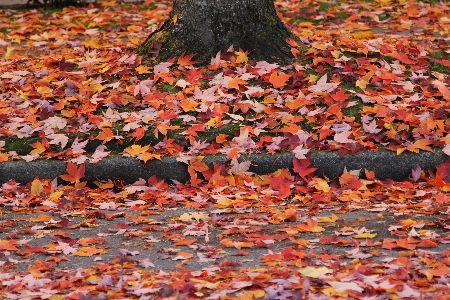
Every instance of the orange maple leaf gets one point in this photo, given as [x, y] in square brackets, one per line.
[188, 104]
[137, 134]
[184, 242]
[3, 157]
[38, 148]
[420, 145]
[185, 60]
[74, 173]
[439, 271]
[278, 80]
[134, 150]
[443, 89]
[235, 82]
[311, 226]
[105, 135]
[89, 251]
[196, 164]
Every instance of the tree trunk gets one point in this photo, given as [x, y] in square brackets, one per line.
[206, 27]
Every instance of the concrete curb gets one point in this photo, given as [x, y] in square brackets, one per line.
[385, 164]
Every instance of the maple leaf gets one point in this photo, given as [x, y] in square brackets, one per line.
[36, 187]
[322, 85]
[443, 171]
[74, 173]
[408, 292]
[300, 152]
[311, 225]
[344, 286]
[421, 144]
[445, 91]
[331, 219]
[77, 147]
[3, 156]
[185, 60]
[372, 127]
[89, 251]
[340, 95]
[320, 185]
[196, 165]
[198, 216]
[235, 82]
[301, 167]
[9, 245]
[237, 167]
[40, 218]
[134, 150]
[279, 80]
[105, 135]
[314, 272]
[241, 57]
[58, 139]
[38, 148]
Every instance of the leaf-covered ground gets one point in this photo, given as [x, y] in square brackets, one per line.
[372, 74]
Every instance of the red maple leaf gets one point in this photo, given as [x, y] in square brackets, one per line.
[74, 173]
[301, 167]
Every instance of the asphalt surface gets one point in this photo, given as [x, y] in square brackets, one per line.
[155, 250]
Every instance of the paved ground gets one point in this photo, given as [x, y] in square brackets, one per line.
[154, 244]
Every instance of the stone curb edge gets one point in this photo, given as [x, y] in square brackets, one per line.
[385, 164]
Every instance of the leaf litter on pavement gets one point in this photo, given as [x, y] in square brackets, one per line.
[374, 74]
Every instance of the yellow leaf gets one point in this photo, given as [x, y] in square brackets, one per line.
[336, 53]
[175, 19]
[224, 202]
[134, 40]
[241, 57]
[257, 294]
[147, 156]
[322, 185]
[362, 35]
[134, 28]
[36, 187]
[206, 284]
[315, 272]
[365, 235]
[95, 88]
[38, 148]
[92, 43]
[320, 46]
[328, 219]
[142, 69]
[195, 215]
[361, 84]
[55, 195]
[9, 51]
[134, 150]
[212, 122]
[312, 78]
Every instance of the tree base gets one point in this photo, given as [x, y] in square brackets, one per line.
[209, 26]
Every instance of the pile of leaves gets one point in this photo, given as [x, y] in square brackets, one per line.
[374, 74]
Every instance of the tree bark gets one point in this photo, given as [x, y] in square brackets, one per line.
[206, 27]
